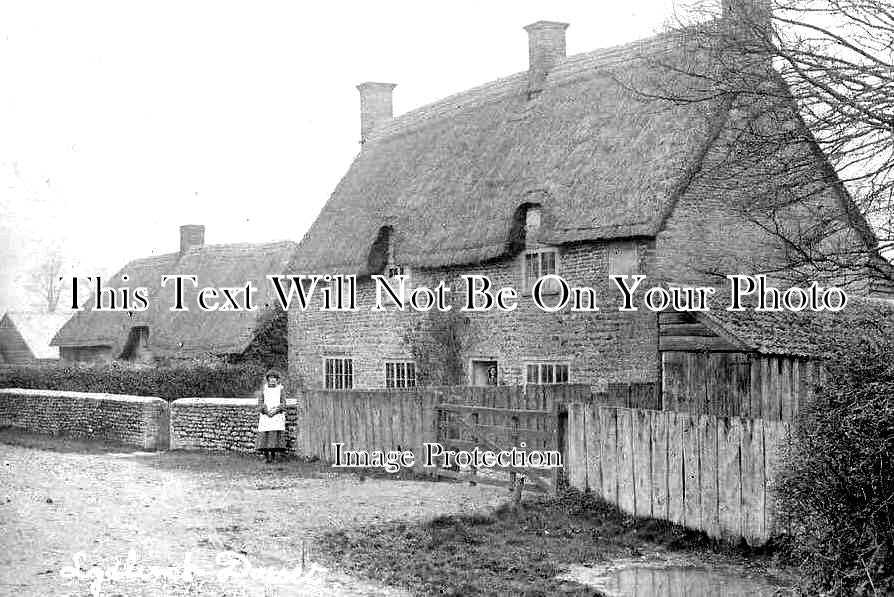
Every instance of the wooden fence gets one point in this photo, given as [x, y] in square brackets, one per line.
[773, 388]
[529, 397]
[367, 420]
[630, 395]
[713, 474]
[391, 419]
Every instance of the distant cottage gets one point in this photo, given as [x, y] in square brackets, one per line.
[572, 167]
[159, 335]
[25, 337]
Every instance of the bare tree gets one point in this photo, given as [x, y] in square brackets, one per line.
[45, 280]
[807, 87]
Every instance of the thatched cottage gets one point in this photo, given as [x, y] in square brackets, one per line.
[575, 167]
[25, 336]
[159, 334]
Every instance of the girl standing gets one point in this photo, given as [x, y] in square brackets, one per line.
[272, 417]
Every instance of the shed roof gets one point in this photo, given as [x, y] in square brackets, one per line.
[802, 333]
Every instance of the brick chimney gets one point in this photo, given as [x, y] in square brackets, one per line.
[375, 106]
[546, 47]
[191, 235]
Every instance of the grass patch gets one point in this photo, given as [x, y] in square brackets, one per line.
[513, 552]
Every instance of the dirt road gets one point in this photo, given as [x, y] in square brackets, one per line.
[62, 499]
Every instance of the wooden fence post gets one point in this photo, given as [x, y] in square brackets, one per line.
[557, 443]
[512, 476]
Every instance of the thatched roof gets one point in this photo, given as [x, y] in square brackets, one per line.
[803, 333]
[36, 330]
[192, 331]
[604, 161]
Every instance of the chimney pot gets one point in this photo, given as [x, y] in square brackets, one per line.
[375, 106]
[546, 47]
[191, 235]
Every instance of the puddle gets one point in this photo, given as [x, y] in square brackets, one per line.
[660, 579]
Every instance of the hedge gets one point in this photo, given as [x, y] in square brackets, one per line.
[837, 491]
[169, 383]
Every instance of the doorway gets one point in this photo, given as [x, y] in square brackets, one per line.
[484, 373]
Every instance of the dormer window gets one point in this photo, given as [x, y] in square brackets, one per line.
[137, 343]
[397, 270]
[532, 218]
[394, 269]
[382, 260]
[380, 252]
[527, 235]
[526, 226]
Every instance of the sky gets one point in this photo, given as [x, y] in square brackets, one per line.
[121, 121]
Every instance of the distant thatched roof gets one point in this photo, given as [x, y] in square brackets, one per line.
[803, 333]
[217, 332]
[604, 161]
[36, 330]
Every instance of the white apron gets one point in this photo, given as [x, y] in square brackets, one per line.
[276, 422]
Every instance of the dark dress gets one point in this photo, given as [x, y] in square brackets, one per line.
[270, 440]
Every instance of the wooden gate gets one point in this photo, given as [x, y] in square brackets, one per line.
[498, 420]
[457, 417]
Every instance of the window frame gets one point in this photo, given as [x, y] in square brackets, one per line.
[142, 335]
[408, 366]
[541, 365]
[344, 378]
[539, 252]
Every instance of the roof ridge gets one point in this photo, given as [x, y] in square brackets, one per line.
[443, 107]
[567, 69]
[243, 245]
[285, 242]
[159, 259]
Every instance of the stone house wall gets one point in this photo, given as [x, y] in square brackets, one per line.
[600, 347]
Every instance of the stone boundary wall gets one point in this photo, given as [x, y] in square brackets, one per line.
[133, 420]
[222, 424]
